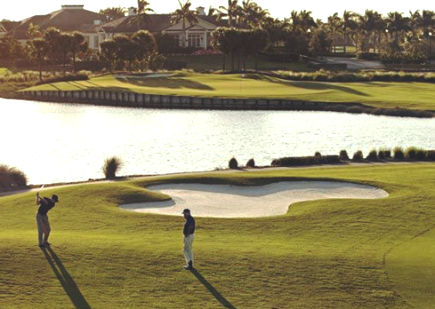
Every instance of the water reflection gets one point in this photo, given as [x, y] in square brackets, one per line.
[65, 142]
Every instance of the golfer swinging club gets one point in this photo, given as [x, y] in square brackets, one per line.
[188, 231]
[45, 204]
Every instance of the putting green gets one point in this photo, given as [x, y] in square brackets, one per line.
[412, 95]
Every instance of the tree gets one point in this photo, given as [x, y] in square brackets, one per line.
[347, 22]
[184, 14]
[36, 51]
[108, 53]
[34, 31]
[10, 48]
[397, 24]
[145, 44]
[142, 12]
[126, 49]
[51, 37]
[320, 43]
[112, 13]
[79, 46]
[230, 11]
[65, 42]
[252, 14]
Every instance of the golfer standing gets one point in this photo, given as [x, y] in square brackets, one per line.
[45, 204]
[189, 235]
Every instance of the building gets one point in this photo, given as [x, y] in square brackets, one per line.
[197, 35]
[68, 19]
[75, 18]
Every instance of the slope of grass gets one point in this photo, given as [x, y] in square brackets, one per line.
[321, 254]
[417, 96]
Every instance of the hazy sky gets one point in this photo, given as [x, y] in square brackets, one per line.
[277, 8]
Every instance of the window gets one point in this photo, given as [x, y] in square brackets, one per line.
[195, 40]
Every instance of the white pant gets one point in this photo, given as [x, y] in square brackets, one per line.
[188, 248]
[43, 228]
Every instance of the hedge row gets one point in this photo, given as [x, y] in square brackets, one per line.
[330, 76]
[397, 154]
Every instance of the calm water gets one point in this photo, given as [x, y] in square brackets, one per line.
[64, 142]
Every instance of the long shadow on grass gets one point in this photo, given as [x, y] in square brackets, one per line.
[165, 82]
[65, 279]
[224, 302]
[321, 86]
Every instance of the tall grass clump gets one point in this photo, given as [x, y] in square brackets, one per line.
[373, 155]
[358, 156]
[384, 154]
[398, 154]
[233, 164]
[343, 155]
[250, 163]
[11, 177]
[111, 166]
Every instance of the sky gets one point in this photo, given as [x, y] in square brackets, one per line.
[277, 8]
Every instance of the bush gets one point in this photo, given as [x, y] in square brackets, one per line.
[398, 154]
[430, 155]
[410, 153]
[384, 154]
[343, 155]
[373, 156]
[11, 177]
[358, 156]
[233, 164]
[303, 161]
[111, 166]
[250, 163]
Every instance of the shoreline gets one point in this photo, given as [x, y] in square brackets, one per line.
[35, 187]
[137, 100]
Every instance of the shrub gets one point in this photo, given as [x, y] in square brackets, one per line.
[343, 155]
[410, 153]
[111, 166]
[358, 156]
[398, 154]
[11, 177]
[384, 154]
[250, 163]
[421, 154]
[317, 154]
[373, 156]
[233, 164]
[430, 155]
[308, 160]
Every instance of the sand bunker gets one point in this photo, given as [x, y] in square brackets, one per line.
[229, 201]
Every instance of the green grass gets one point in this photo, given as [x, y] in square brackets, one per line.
[321, 254]
[412, 95]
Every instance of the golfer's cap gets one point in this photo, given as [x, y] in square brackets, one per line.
[186, 211]
[55, 198]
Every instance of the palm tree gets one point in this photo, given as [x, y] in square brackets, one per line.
[142, 12]
[229, 11]
[252, 14]
[347, 22]
[37, 50]
[423, 21]
[332, 26]
[184, 14]
[397, 24]
[110, 14]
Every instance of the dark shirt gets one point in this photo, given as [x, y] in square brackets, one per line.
[189, 226]
[45, 207]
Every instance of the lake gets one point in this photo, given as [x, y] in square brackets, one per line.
[55, 142]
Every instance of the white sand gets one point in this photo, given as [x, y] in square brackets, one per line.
[228, 201]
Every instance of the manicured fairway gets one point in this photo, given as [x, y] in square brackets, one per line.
[321, 254]
[409, 95]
